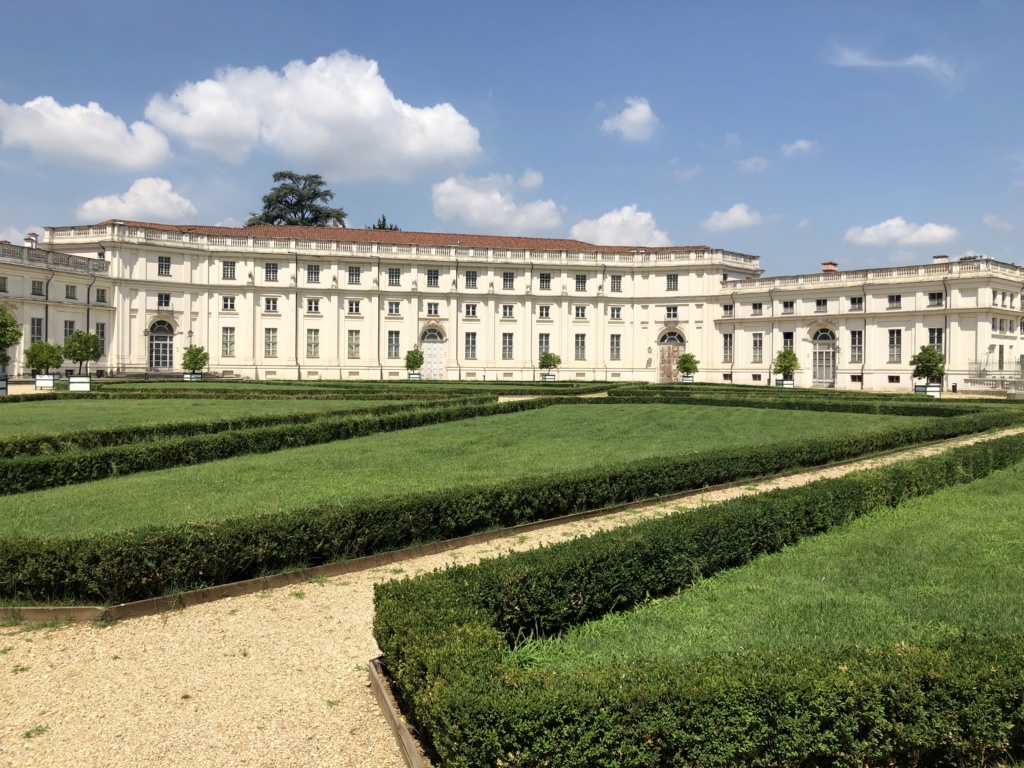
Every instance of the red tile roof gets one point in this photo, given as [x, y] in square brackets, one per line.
[402, 238]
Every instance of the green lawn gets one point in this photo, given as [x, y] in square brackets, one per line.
[935, 567]
[461, 453]
[54, 416]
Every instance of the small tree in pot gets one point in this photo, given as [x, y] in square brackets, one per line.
[193, 361]
[687, 365]
[413, 362]
[81, 347]
[42, 356]
[548, 362]
[930, 365]
[10, 334]
[785, 365]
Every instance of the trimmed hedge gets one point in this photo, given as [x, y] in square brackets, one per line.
[130, 565]
[33, 473]
[220, 394]
[444, 635]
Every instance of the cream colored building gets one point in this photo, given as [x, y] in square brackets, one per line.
[318, 303]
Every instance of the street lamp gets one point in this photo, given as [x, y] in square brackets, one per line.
[190, 337]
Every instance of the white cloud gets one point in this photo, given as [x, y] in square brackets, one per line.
[804, 223]
[897, 230]
[798, 147]
[626, 226]
[335, 114]
[737, 217]
[688, 174]
[81, 136]
[17, 236]
[847, 57]
[531, 179]
[996, 223]
[230, 221]
[489, 204]
[146, 200]
[733, 141]
[751, 165]
[634, 123]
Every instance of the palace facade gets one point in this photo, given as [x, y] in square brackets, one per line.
[323, 303]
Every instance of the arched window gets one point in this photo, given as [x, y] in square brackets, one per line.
[824, 335]
[672, 337]
[161, 327]
[431, 334]
[161, 345]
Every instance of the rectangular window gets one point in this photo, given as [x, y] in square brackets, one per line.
[471, 278]
[616, 283]
[857, 378]
[471, 345]
[163, 266]
[270, 273]
[35, 329]
[756, 308]
[394, 345]
[856, 346]
[895, 301]
[101, 332]
[227, 303]
[312, 342]
[543, 343]
[581, 282]
[163, 300]
[894, 379]
[508, 280]
[758, 350]
[506, 346]
[856, 303]
[101, 295]
[394, 307]
[545, 281]
[544, 311]
[69, 328]
[506, 310]
[432, 308]
[581, 313]
[227, 342]
[355, 275]
[788, 307]
[581, 346]
[270, 342]
[615, 348]
[821, 305]
[37, 287]
[70, 291]
[726, 347]
[313, 273]
[353, 306]
[935, 338]
[3, 285]
[394, 276]
[471, 310]
[727, 310]
[671, 282]
[671, 313]
[616, 313]
[313, 306]
[433, 278]
[895, 346]
[227, 270]
[353, 344]
[269, 305]
[787, 339]
[936, 299]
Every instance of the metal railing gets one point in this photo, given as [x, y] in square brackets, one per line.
[35, 257]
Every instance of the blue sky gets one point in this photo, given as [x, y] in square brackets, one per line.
[871, 133]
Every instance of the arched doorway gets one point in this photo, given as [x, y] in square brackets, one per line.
[670, 346]
[823, 368]
[161, 346]
[432, 346]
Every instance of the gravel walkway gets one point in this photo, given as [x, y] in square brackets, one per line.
[273, 679]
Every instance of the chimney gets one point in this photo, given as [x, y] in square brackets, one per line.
[31, 239]
[940, 258]
[829, 266]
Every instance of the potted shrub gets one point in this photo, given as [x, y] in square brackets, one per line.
[930, 365]
[81, 347]
[548, 362]
[10, 334]
[193, 361]
[42, 356]
[687, 366]
[413, 363]
[785, 365]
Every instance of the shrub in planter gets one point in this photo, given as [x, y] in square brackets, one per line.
[930, 365]
[785, 365]
[193, 361]
[687, 365]
[42, 356]
[413, 363]
[10, 334]
[547, 363]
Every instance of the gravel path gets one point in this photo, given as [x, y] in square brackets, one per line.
[273, 679]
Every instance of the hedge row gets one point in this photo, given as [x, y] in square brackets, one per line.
[33, 473]
[130, 565]
[63, 442]
[240, 394]
[444, 636]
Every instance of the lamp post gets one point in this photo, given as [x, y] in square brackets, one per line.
[145, 335]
